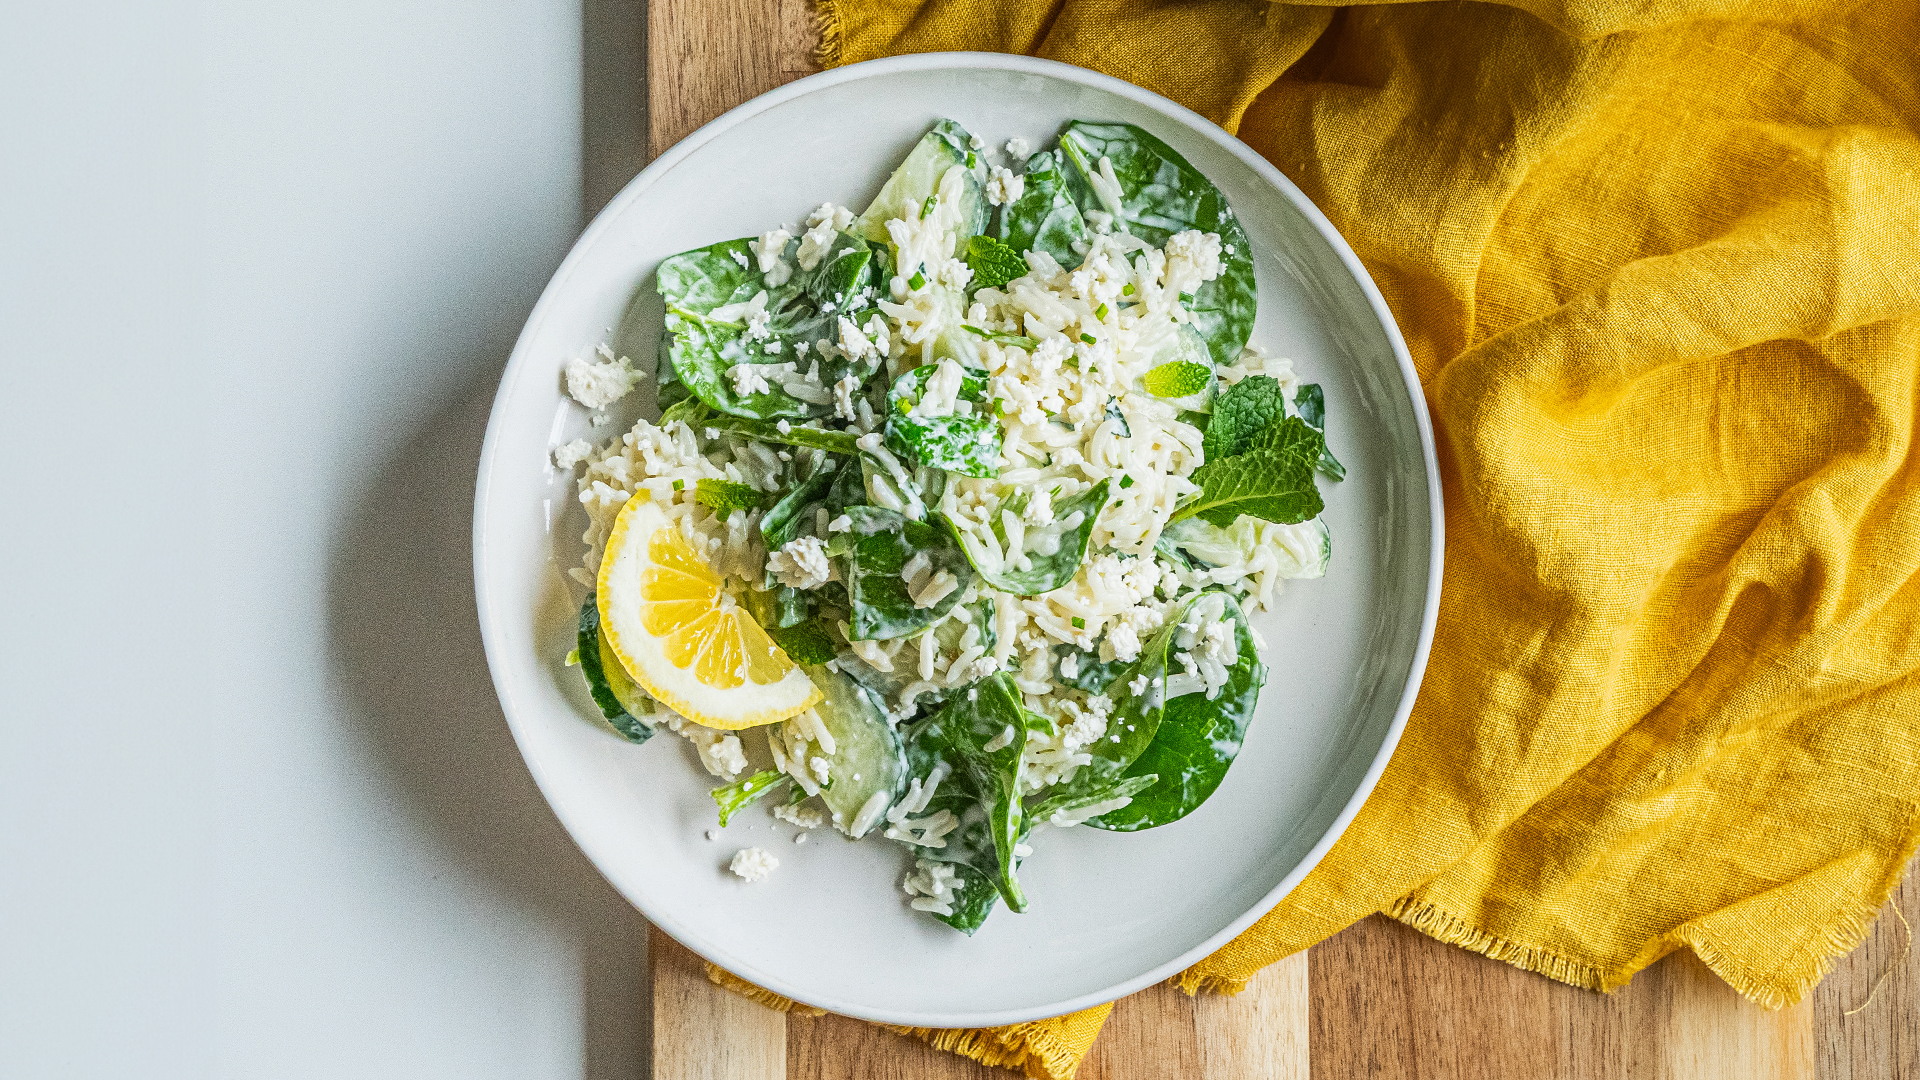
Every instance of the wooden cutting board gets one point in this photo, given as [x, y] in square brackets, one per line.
[1378, 1000]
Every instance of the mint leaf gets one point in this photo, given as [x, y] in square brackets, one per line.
[806, 643]
[1178, 379]
[725, 496]
[1311, 404]
[993, 262]
[1240, 412]
[1273, 479]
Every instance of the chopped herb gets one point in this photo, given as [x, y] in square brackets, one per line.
[723, 497]
[1088, 338]
[1127, 289]
[1079, 623]
[971, 159]
[927, 207]
[679, 485]
[1126, 482]
[1100, 313]
[573, 658]
[917, 281]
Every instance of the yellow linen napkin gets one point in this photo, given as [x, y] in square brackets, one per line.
[1658, 263]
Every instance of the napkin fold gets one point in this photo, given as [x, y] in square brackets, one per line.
[1658, 265]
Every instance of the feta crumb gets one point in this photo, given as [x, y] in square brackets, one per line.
[1125, 642]
[753, 864]
[598, 385]
[806, 817]
[1004, 187]
[573, 453]
[800, 838]
[713, 834]
[1138, 686]
[1018, 147]
[769, 251]
[977, 143]
[801, 563]
[738, 256]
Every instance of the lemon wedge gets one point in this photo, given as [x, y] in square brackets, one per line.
[669, 619]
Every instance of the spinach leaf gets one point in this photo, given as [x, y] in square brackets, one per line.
[891, 685]
[974, 898]
[805, 642]
[1048, 556]
[986, 797]
[883, 543]
[737, 796]
[1090, 673]
[1161, 194]
[620, 701]
[837, 442]
[780, 524]
[1273, 479]
[1196, 738]
[1311, 403]
[1074, 804]
[1240, 413]
[967, 443]
[708, 292]
[1044, 217]
[993, 263]
[849, 487]
[689, 410]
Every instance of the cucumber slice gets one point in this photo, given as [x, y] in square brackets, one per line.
[918, 176]
[868, 762]
[621, 702]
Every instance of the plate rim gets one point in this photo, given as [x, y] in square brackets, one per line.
[519, 360]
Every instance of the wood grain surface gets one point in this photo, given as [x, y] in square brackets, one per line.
[1379, 1000]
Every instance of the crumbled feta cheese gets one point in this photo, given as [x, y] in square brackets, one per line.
[1039, 509]
[598, 385]
[801, 563]
[1125, 643]
[822, 225]
[840, 524]
[806, 817]
[753, 864]
[571, 454]
[1004, 187]
[738, 256]
[843, 398]
[1018, 147]
[769, 251]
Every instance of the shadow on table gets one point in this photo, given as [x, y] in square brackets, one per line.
[405, 643]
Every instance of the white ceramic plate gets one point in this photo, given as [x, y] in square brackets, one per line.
[1110, 913]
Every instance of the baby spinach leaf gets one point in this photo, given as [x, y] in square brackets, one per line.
[1068, 802]
[737, 796]
[966, 443]
[883, 543]
[1240, 413]
[689, 410]
[723, 497]
[1161, 194]
[804, 643]
[1311, 403]
[612, 689]
[1044, 217]
[780, 524]
[1196, 738]
[849, 487]
[708, 338]
[1090, 673]
[988, 715]
[993, 263]
[1050, 556]
[974, 898]
[836, 442]
[1273, 479]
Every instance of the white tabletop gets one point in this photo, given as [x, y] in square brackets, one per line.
[260, 266]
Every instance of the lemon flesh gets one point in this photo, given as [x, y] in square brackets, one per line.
[669, 619]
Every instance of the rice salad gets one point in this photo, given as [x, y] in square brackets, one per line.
[955, 509]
